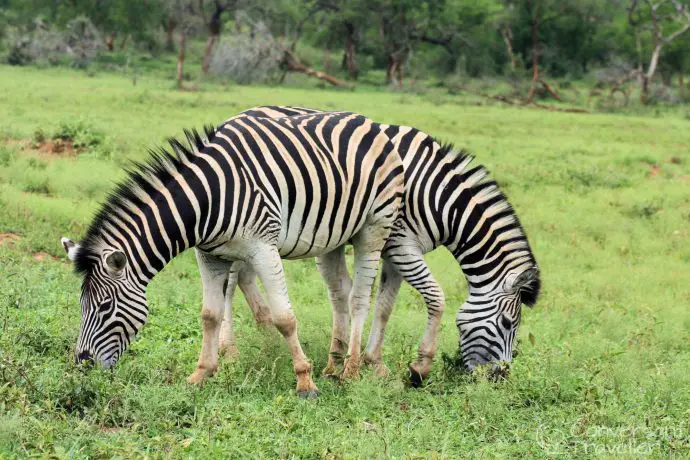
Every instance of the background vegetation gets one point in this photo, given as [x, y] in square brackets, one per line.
[616, 49]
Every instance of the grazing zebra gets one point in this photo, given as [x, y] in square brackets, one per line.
[449, 202]
[253, 192]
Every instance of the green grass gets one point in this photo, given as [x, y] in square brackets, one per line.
[603, 364]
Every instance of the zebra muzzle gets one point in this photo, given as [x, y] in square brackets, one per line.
[84, 356]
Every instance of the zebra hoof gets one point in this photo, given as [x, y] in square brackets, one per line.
[229, 352]
[200, 375]
[351, 370]
[308, 394]
[416, 378]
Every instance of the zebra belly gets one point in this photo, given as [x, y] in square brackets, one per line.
[303, 244]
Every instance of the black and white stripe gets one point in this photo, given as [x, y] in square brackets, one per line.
[301, 186]
[450, 201]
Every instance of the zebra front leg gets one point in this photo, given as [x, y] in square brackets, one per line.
[385, 300]
[247, 281]
[334, 271]
[227, 346]
[368, 244]
[214, 275]
[266, 262]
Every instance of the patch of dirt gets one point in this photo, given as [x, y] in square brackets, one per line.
[654, 170]
[675, 161]
[41, 256]
[9, 239]
[45, 148]
[56, 147]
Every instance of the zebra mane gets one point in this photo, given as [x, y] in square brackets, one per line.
[478, 178]
[141, 175]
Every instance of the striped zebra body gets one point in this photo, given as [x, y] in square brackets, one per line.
[253, 192]
[449, 201]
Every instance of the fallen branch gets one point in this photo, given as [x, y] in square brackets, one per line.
[292, 63]
[555, 109]
[550, 90]
[527, 102]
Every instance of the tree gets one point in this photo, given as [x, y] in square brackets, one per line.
[654, 17]
[213, 25]
[185, 15]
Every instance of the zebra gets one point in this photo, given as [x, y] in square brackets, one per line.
[253, 192]
[448, 201]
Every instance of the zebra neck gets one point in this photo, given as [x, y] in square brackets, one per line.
[491, 254]
[485, 237]
[157, 223]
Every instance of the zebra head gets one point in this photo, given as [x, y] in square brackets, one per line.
[488, 322]
[113, 303]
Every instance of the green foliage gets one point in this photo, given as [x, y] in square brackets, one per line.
[373, 41]
[602, 368]
[80, 133]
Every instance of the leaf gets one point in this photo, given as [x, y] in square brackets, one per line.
[531, 338]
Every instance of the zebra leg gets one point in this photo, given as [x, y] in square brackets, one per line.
[415, 271]
[214, 275]
[266, 262]
[385, 300]
[334, 271]
[240, 272]
[368, 244]
[227, 346]
[247, 281]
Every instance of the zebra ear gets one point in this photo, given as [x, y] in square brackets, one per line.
[528, 284]
[71, 248]
[116, 262]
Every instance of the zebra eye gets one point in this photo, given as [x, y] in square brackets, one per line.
[104, 306]
[505, 322]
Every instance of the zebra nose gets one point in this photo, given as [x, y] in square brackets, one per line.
[84, 355]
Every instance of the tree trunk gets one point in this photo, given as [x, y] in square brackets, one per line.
[681, 86]
[350, 58]
[214, 26]
[391, 69]
[394, 71]
[110, 42]
[124, 42]
[208, 54]
[535, 57]
[180, 58]
[169, 39]
[647, 77]
[507, 35]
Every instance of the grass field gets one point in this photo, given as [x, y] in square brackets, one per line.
[603, 364]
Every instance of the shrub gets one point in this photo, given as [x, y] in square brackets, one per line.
[77, 45]
[80, 133]
[248, 58]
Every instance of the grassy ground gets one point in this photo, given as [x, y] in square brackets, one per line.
[603, 365]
